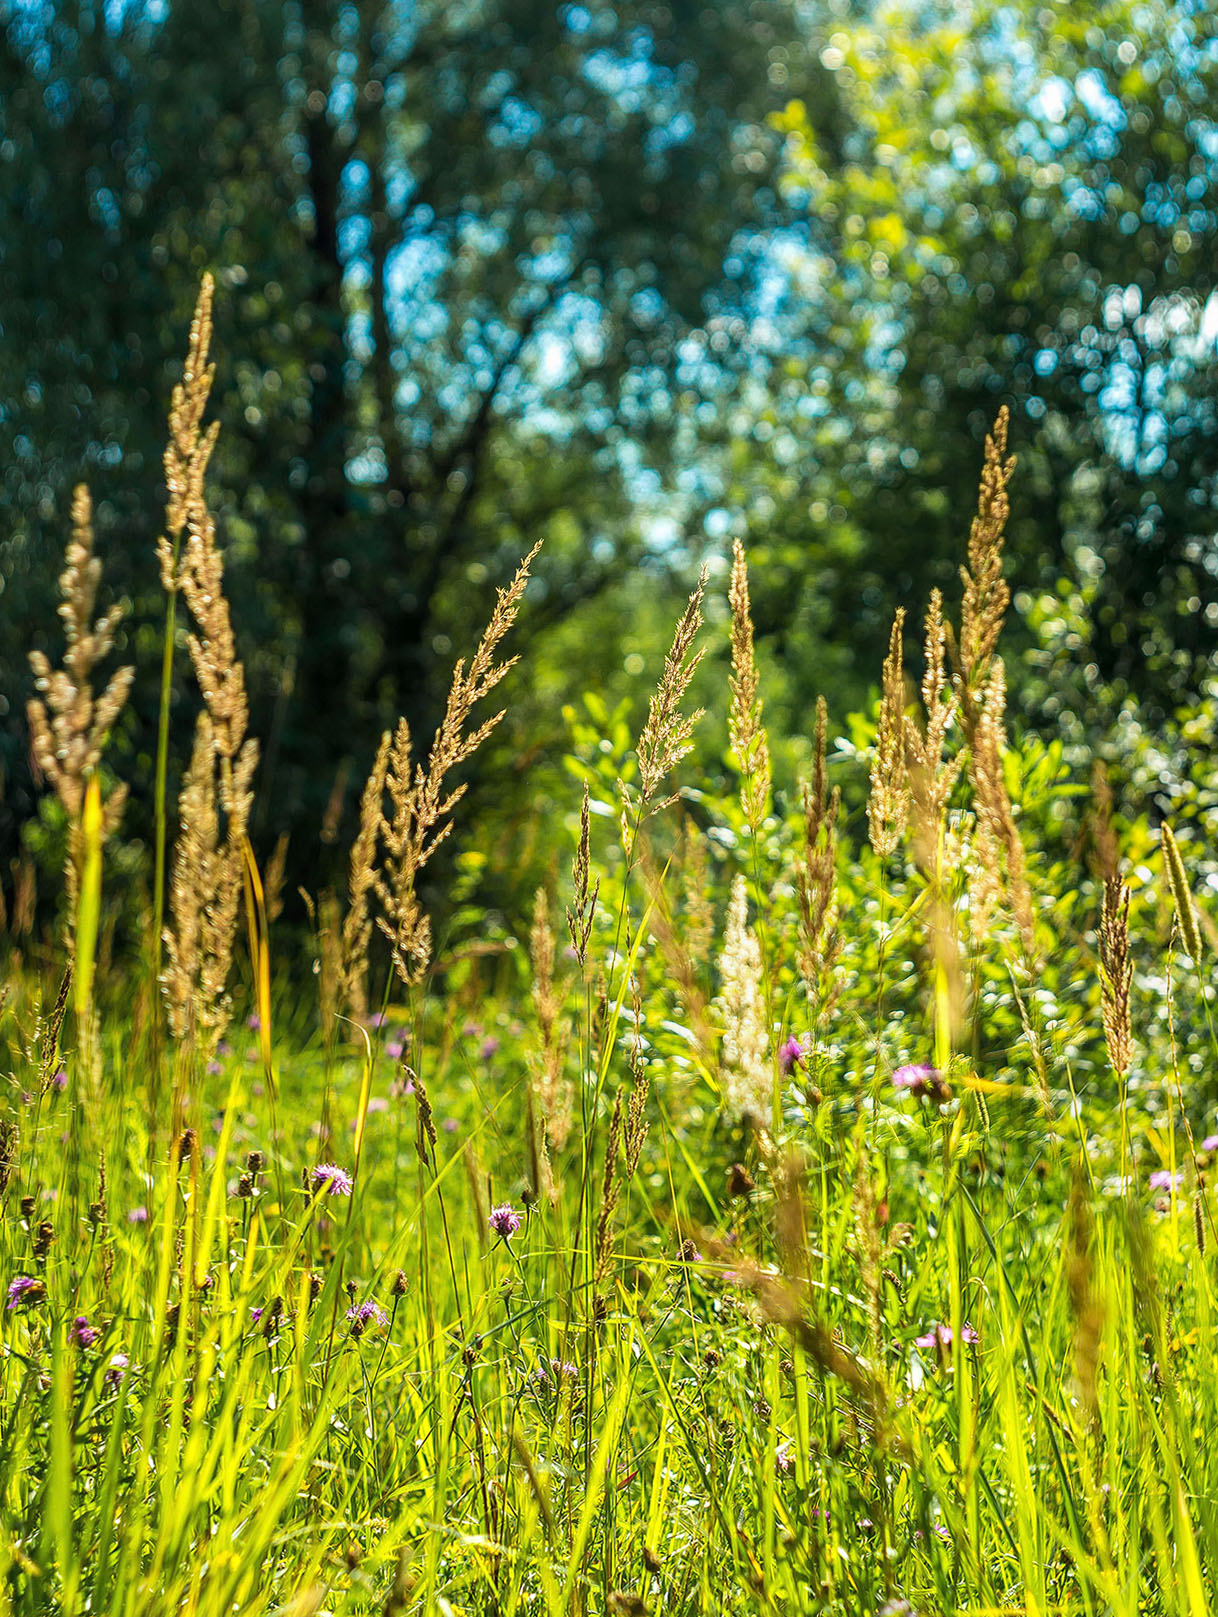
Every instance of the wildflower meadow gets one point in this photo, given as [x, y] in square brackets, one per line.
[806, 1212]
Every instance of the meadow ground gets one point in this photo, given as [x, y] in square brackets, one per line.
[810, 1215]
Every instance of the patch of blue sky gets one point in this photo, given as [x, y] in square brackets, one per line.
[577, 19]
[516, 123]
[342, 99]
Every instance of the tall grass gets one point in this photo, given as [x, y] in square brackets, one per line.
[822, 1228]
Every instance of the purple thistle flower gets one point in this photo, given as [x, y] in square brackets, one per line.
[791, 1055]
[329, 1178]
[60, 1080]
[82, 1333]
[921, 1080]
[214, 1069]
[1164, 1179]
[558, 1370]
[256, 1313]
[394, 1049]
[117, 1368]
[940, 1336]
[253, 1022]
[489, 1046]
[368, 1313]
[505, 1221]
[1210, 1143]
[138, 1215]
[24, 1290]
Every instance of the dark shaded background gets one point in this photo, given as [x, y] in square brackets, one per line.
[636, 277]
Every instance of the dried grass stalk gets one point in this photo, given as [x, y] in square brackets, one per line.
[932, 775]
[986, 592]
[580, 913]
[194, 882]
[276, 875]
[49, 1030]
[1116, 973]
[422, 800]
[666, 735]
[189, 447]
[68, 726]
[217, 793]
[750, 746]
[220, 674]
[746, 1070]
[1177, 881]
[888, 802]
[997, 831]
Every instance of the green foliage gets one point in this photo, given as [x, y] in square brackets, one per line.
[1026, 213]
[748, 1261]
[638, 278]
[464, 257]
[721, 1381]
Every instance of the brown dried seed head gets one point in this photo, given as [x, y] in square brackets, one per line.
[998, 834]
[1177, 881]
[750, 746]
[986, 592]
[422, 800]
[666, 735]
[69, 726]
[746, 1071]
[888, 803]
[1116, 973]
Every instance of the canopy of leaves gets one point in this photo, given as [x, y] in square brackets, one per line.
[635, 277]
[470, 260]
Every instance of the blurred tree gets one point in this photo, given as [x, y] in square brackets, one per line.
[461, 248]
[1027, 210]
[634, 276]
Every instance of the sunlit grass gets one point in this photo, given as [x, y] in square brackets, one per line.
[807, 1227]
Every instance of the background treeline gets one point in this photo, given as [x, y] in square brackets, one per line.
[635, 278]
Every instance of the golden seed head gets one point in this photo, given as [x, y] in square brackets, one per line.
[750, 745]
[1177, 881]
[666, 735]
[888, 803]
